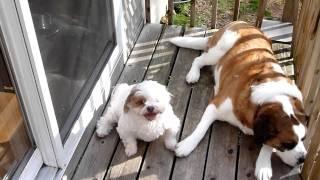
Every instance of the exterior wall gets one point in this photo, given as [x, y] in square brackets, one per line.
[158, 9]
[133, 21]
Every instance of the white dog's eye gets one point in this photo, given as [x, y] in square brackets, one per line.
[140, 102]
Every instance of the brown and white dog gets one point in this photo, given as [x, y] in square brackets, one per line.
[251, 92]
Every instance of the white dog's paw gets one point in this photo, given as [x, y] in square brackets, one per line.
[171, 144]
[103, 127]
[131, 149]
[184, 148]
[263, 173]
[193, 76]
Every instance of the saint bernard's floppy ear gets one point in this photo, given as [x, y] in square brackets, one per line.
[130, 99]
[263, 128]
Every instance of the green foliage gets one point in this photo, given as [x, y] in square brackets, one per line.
[180, 19]
[252, 8]
[182, 14]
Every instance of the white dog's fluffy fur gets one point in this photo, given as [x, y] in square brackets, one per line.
[142, 111]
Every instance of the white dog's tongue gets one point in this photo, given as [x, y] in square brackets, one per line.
[150, 116]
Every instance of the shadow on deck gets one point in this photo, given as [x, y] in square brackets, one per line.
[224, 153]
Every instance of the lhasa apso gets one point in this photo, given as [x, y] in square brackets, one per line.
[142, 111]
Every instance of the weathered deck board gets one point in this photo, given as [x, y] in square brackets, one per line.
[247, 158]
[201, 92]
[121, 166]
[95, 166]
[224, 153]
[277, 30]
[158, 160]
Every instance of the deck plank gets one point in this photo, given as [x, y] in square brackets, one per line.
[121, 166]
[100, 150]
[158, 160]
[247, 158]
[223, 147]
[153, 57]
[201, 93]
[222, 153]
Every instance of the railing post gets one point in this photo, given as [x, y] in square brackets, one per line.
[170, 12]
[192, 14]
[214, 14]
[261, 10]
[290, 11]
[236, 10]
[147, 11]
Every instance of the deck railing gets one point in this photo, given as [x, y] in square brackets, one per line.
[307, 64]
[289, 14]
[305, 16]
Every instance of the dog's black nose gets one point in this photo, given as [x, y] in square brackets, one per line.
[150, 108]
[301, 159]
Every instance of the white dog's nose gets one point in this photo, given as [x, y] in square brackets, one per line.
[150, 108]
[301, 159]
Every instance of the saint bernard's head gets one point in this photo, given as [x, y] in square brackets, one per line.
[281, 125]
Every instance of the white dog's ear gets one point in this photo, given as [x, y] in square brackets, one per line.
[130, 98]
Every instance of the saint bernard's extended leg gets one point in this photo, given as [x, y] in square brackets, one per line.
[186, 146]
[213, 55]
[263, 169]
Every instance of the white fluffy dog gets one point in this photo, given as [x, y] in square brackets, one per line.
[142, 111]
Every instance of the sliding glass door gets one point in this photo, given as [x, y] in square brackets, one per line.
[63, 55]
[75, 38]
[15, 143]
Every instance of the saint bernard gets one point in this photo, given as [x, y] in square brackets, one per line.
[251, 92]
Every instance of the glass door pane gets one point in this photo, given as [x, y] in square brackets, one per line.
[75, 38]
[14, 140]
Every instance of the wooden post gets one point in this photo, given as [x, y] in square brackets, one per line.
[170, 12]
[289, 11]
[147, 6]
[193, 13]
[214, 14]
[236, 10]
[295, 24]
[306, 59]
[260, 14]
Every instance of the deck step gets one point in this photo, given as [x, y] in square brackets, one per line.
[278, 31]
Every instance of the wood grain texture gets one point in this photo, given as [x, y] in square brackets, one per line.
[192, 13]
[214, 14]
[201, 93]
[290, 11]
[170, 12]
[236, 10]
[260, 13]
[306, 57]
[222, 152]
[248, 154]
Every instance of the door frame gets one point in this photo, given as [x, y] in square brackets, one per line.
[21, 43]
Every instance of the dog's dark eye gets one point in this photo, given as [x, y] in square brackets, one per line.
[304, 137]
[140, 102]
[288, 146]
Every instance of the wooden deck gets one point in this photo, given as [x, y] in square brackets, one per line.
[224, 153]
